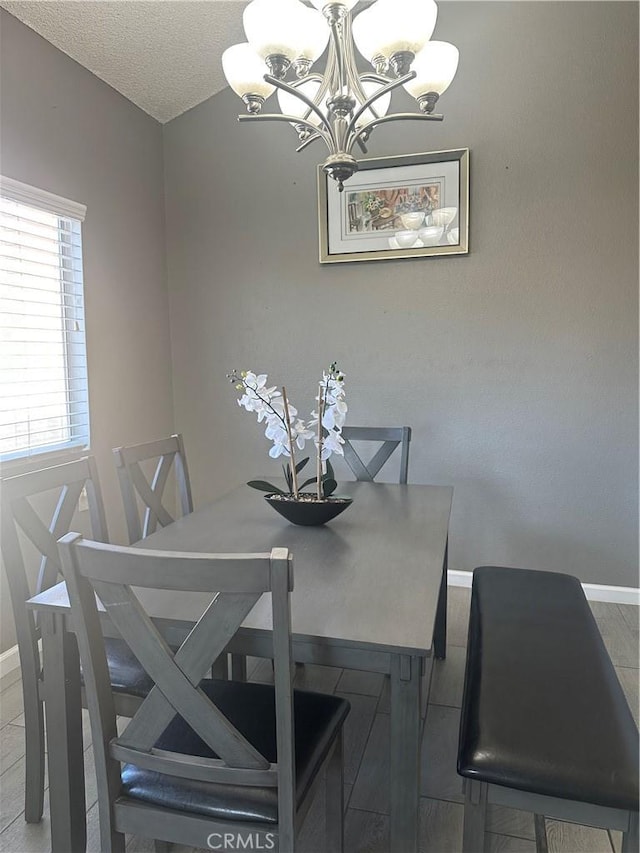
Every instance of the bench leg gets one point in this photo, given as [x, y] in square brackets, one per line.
[630, 837]
[475, 816]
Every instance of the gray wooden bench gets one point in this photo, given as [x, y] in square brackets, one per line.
[545, 725]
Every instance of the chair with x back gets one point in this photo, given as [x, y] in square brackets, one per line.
[389, 437]
[135, 487]
[22, 527]
[201, 760]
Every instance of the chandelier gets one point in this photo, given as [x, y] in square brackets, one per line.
[343, 105]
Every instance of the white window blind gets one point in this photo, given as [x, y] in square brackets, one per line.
[43, 362]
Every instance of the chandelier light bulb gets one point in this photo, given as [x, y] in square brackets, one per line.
[435, 68]
[366, 35]
[381, 106]
[313, 35]
[292, 106]
[272, 28]
[391, 27]
[244, 71]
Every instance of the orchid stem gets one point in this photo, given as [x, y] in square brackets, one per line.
[319, 456]
[294, 473]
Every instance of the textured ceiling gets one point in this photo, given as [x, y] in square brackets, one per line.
[164, 55]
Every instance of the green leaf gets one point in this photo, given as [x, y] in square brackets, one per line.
[329, 486]
[263, 486]
[286, 470]
[307, 482]
[301, 465]
[330, 472]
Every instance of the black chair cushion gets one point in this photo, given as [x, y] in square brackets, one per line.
[251, 709]
[125, 670]
[543, 710]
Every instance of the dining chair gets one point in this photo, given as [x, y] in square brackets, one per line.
[390, 438]
[135, 487]
[202, 761]
[23, 525]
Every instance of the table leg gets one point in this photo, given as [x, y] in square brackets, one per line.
[440, 626]
[238, 667]
[63, 704]
[405, 752]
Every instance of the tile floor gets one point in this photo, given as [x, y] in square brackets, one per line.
[367, 732]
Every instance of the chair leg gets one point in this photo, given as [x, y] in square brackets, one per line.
[630, 838]
[238, 667]
[34, 757]
[335, 799]
[475, 815]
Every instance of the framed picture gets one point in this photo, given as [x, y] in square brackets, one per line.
[411, 206]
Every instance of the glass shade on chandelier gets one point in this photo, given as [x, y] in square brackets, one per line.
[393, 31]
[343, 104]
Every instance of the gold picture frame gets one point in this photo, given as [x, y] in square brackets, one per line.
[407, 206]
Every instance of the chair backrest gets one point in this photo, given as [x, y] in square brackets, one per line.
[170, 454]
[390, 438]
[18, 514]
[235, 582]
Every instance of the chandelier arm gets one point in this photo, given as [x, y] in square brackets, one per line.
[338, 43]
[292, 120]
[355, 81]
[313, 107]
[316, 78]
[395, 117]
[372, 77]
[351, 67]
[307, 142]
[389, 87]
[327, 77]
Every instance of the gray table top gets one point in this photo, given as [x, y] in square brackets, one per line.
[370, 577]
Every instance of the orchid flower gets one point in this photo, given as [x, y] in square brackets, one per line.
[284, 428]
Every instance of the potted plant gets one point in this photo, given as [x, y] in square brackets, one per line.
[289, 434]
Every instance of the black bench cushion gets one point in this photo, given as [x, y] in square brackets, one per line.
[251, 709]
[543, 710]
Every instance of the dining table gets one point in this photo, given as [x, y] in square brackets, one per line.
[370, 593]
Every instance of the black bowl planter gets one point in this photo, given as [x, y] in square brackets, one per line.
[308, 510]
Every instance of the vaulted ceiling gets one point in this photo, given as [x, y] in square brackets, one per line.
[164, 55]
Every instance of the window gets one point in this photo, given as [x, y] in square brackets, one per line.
[43, 361]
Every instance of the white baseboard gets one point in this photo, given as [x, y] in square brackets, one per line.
[593, 591]
[455, 577]
[10, 660]
[9, 663]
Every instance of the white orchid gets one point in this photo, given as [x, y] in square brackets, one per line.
[301, 433]
[332, 443]
[285, 429]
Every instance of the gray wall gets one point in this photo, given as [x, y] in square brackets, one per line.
[517, 365]
[63, 130]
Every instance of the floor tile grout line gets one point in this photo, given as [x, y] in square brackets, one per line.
[441, 705]
[13, 764]
[612, 845]
[11, 822]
